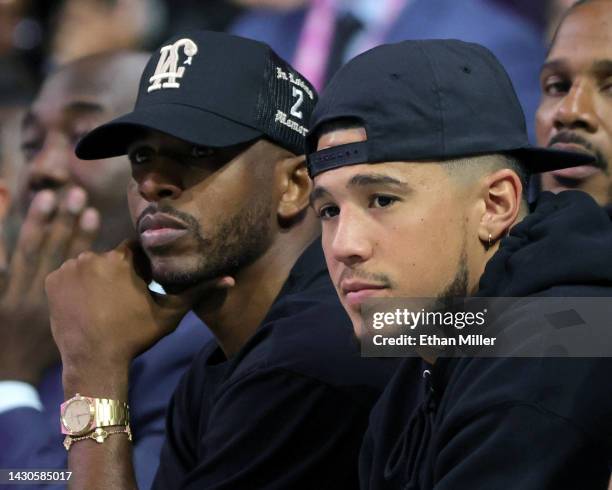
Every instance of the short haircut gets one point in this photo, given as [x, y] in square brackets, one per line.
[492, 162]
[564, 16]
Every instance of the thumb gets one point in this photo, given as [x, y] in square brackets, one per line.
[139, 259]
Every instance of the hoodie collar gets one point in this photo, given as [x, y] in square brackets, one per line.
[566, 240]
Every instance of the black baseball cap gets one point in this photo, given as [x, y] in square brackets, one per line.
[427, 100]
[212, 89]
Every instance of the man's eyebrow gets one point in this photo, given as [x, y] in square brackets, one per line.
[554, 65]
[83, 106]
[602, 67]
[362, 180]
[317, 193]
[77, 106]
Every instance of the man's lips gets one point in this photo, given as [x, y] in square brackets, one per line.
[160, 229]
[575, 173]
[573, 147]
[356, 292]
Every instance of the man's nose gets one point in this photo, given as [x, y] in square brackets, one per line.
[577, 109]
[351, 243]
[155, 184]
[50, 167]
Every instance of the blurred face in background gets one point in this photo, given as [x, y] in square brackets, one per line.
[575, 111]
[72, 102]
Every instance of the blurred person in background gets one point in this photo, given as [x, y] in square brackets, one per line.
[35, 36]
[6, 178]
[21, 43]
[318, 36]
[576, 106]
[10, 161]
[212, 15]
[85, 27]
[71, 206]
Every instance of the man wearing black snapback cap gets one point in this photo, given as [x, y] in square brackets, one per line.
[219, 195]
[419, 156]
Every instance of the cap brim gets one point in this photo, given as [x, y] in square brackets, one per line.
[190, 124]
[538, 160]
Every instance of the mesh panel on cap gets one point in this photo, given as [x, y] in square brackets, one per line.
[284, 96]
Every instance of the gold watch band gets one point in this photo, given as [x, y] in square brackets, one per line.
[99, 435]
[111, 412]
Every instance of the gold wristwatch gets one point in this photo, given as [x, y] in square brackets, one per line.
[84, 417]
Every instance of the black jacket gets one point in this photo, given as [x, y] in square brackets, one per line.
[289, 410]
[508, 423]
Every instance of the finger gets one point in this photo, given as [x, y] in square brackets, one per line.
[124, 248]
[4, 207]
[86, 233]
[63, 228]
[32, 235]
[132, 255]
[142, 264]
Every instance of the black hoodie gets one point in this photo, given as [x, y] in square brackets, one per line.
[508, 423]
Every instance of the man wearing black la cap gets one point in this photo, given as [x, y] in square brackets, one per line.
[219, 196]
[218, 103]
[419, 158]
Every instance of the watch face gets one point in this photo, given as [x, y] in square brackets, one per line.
[77, 415]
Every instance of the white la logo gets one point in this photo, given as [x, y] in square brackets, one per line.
[167, 67]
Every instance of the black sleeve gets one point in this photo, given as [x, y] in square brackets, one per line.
[519, 446]
[366, 459]
[270, 430]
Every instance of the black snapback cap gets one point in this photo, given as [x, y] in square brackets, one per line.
[427, 100]
[212, 89]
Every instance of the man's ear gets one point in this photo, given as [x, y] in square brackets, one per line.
[295, 187]
[502, 193]
[5, 200]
